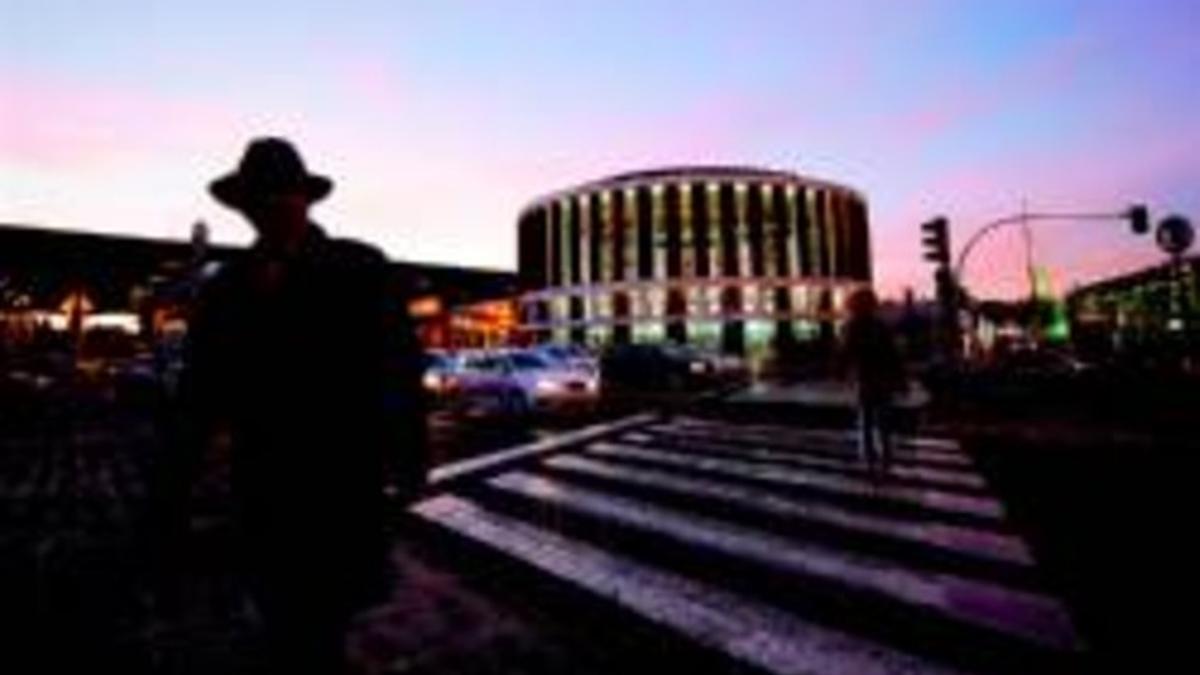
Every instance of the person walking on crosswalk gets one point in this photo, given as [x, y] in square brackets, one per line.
[877, 372]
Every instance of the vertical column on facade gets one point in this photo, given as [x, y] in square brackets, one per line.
[702, 244]
[833, 244]
[645, 233]
[531, 252]
[756, 242]
[848, 265]
[803, 231]
[643, 228]
[732, 327]
[862, 242]
[820, 230]
[596, 239]
[816, 233]
[658, 231]
[716, 259]
[802, 297]
[631, 235]
[676, 305]
[658, 257]
[781, 232]
[553, 245]
[742, 236]
[575, 268]
[834, 225]
[687, 234]
[564, 241]
[620, 300]
[853, 239]
[754, 230]
[555, 266]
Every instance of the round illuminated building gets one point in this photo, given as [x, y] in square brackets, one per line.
[729, 258]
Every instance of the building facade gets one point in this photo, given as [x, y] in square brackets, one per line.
[729, 258]
[1152, 310]
[44, 270]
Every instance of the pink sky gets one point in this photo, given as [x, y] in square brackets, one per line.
[438, 124]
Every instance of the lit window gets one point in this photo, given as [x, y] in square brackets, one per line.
[648, 331]
[697, 301]
[656, 303]
[801, 302]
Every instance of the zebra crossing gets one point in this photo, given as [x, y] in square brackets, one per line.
[772, 545]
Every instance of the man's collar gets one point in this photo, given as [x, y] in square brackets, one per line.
[314, 239]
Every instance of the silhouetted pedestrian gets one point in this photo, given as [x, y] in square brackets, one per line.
[297, 353]
[878, 374]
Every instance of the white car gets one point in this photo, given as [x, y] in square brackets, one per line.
[571, 356]
[441, 375]
[522, 382]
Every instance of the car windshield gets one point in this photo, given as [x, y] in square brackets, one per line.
[556, 352]
[481, 363]
[524, 361]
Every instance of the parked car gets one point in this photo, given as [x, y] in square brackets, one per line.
[657, 366]
[521, 382]
[571, 356]
[440, 378]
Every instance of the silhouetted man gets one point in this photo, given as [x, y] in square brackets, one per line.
[297, 355]
[878, 374]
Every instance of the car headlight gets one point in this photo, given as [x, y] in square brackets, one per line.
[698, 367]
[431, 381]
[547, 386]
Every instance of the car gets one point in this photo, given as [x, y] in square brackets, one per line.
[521, 382]
[439, 378]
[657, 366]
[1040, 363]
[569, 355]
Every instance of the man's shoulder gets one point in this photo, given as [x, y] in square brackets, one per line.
[352, 253]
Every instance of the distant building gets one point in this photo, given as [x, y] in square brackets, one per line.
[44, 270]
[730, 258]
[1144, 310]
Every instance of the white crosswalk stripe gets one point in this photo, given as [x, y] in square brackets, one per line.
[846, 461]
[756, 633]
[980, 507]
[1042, 619]
[935, 445]
[992, 545]
[907, 449]
[647, 515]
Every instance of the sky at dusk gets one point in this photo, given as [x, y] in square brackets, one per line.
[439, 120]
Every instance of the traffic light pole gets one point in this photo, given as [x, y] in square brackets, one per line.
[950, 278]
[1024, 219]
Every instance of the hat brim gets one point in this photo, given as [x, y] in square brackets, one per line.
[235, 192]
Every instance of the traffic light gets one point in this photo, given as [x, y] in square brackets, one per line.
[936, 238]
[1139, 218]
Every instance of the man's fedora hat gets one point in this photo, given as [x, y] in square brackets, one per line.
[270, 166]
